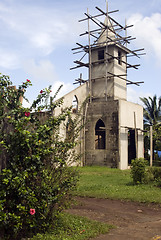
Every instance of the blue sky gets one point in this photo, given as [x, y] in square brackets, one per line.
[37, 38]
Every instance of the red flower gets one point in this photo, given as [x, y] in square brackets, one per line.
[41, 91]
[28, 80]
[32, 211]
[27, 114]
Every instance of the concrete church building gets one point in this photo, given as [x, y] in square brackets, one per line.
[113, 133]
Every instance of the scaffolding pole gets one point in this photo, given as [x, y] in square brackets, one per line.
[89, 56]
[120, 40]
[106, 51]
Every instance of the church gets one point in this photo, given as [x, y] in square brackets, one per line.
[113, 127]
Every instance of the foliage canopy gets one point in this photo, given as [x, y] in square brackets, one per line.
[35, 180]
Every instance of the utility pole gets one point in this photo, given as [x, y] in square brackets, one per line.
[151, 145]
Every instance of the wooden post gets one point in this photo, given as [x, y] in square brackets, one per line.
[136, 139]
[90, 61]
[151, 146]
[84, 134]
[106, 53]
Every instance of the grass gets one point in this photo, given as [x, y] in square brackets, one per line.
[100, 182]
[70, 227]
[103, 182]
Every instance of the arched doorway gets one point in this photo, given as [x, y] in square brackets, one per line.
[100, 135]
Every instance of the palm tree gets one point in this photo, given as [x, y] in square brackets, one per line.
[152, 116]
[152, 110]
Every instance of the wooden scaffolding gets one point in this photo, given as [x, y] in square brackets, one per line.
[121, 39]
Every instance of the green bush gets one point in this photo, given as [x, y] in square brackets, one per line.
[156, 173]
[36, 182]
[138, 170]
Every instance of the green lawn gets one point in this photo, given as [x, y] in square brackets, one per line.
[103, 182]
[100, 182]
[70, 227]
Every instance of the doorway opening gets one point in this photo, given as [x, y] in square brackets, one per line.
[100, 135]
[131, 146]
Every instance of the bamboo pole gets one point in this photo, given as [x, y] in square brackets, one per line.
[90, 63]
[151, 146]
[106, 56]
[136, 140]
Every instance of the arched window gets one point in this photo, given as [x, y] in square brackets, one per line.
[69, 130]
[75, 104]
[100, 135]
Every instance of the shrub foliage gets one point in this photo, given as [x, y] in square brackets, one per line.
[138, 170]
[35, 181]
[155, 172]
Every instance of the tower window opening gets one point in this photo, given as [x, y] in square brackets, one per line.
[100, 135]
[100, 54]
[119, 58]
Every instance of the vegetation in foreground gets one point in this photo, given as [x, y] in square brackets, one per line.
[103, 182]
[35, 181]
[70, 227]
[152, 117]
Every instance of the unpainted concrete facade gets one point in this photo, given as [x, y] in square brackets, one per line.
[113, 132]
[118, 118]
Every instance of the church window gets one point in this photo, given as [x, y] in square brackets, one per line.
[100, 135]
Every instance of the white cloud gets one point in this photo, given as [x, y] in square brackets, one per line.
[4, 8]
[148, 32]
[43, 28]
[8, 59]
[42, 71]
[134, 96]
[32, 31]
[26, 104]
[67, 87]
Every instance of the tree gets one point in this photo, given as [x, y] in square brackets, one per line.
[152, 110]
[35, 182]
[152, 116]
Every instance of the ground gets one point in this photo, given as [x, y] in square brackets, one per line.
[132, 220]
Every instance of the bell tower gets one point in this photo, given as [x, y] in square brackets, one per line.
[108, 64]
[108, 56]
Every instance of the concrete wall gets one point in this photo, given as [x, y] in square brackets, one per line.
[126, 119]
[80, 92]
[99, 73]
[120, 89]
[115, 87]
[108, 113]
[118, 116]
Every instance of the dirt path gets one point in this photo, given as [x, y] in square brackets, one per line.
[132, 220]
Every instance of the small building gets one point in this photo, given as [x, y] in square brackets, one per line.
[113, 132]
